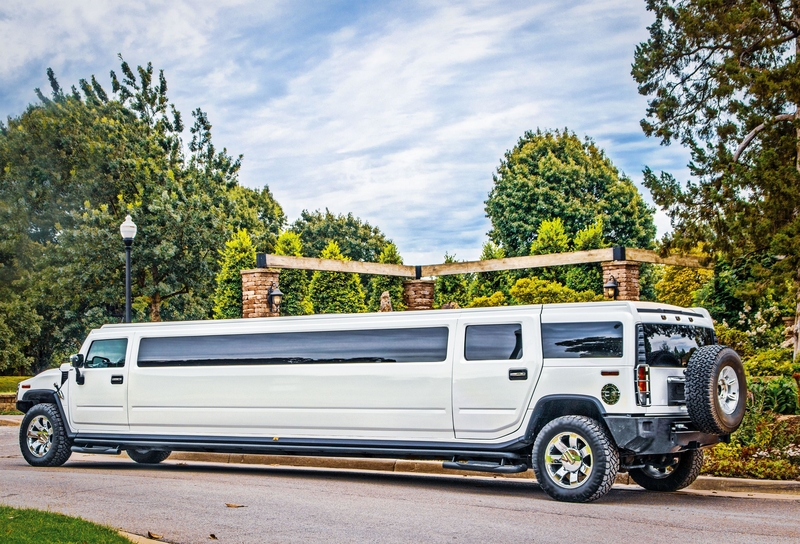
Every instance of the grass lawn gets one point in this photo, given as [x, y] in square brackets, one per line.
[8, 384]
[29, 526]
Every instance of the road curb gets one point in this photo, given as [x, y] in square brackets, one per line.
[703, 483]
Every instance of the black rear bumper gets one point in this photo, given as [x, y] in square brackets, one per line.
[657, 435]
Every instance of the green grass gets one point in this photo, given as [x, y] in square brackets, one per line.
[34, 526]
[8, 384]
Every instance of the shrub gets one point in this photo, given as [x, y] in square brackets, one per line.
[393, 284]
[293, 283]
[538, 291]
[778, 395]
[239, 254]
[497, 299]
[772, 362]
[336, 292]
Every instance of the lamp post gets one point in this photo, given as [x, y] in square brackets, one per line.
[610, 289]
[128, 232]
[274, 299]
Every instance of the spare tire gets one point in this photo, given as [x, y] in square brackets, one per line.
[716, 389]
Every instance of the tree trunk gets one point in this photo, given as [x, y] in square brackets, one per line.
[155, 307]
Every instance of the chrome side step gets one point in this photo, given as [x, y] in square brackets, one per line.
[483, 466]
[101, 450]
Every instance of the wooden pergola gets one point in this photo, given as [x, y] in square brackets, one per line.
[620, 262]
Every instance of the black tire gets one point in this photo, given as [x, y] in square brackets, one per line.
[43, 437]
[674, 478]
[577, 474]
[146, 456]
[716, 389]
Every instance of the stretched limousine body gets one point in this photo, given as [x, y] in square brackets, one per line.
[575, 391]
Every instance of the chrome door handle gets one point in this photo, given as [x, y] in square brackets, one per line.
[518, 374]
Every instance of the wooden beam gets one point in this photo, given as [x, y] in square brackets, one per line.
[516, 263]
[647, 256]
[332, 265]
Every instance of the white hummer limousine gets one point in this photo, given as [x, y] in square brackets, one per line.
[577, 392]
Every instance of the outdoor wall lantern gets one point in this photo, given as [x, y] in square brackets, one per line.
[610, 289]
[274, 298]
[128, 232]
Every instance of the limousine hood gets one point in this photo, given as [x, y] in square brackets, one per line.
[43, 380]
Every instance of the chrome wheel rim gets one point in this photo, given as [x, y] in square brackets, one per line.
[40, 436]
[569, 460]
[728, 390]
[658, 473]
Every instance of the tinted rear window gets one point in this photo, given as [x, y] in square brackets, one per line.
[493, 342]
[427, 344]
[582, 340]
[672, 345]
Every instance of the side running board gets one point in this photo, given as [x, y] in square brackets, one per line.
[483, 466]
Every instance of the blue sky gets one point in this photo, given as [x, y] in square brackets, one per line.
[396, 111]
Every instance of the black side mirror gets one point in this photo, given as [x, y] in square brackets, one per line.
[76, 360]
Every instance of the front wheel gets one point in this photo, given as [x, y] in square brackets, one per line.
[146, 456]
[43, 437]
[574, 459]
[673, 474]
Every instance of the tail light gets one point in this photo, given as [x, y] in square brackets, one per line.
[642, 370]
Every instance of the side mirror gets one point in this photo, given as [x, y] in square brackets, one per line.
[76, 360]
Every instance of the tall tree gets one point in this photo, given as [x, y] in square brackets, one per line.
[336, 292]
[723, 79]
[551, 238]
[486, 284]
[554, 174]
[392, 284]
[357, 239]
[293, 283]
[453, 287]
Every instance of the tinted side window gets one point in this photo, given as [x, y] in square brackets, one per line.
[427, 344]
[107, 353]
[578, 340]
[493, 342]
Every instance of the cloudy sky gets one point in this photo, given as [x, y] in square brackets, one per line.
[396, 111]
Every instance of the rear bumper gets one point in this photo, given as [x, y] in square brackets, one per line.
[657, 435]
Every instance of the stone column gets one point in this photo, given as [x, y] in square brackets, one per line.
[418, 294]
[627, 275]
[255, 286]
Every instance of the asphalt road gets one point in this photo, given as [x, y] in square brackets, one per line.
[187, 503]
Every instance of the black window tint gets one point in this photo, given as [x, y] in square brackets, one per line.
[107, 353]
[578, 340]
[365, 346]
[493, 342]
[672, 345]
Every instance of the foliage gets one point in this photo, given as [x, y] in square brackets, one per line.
[497, 299]
[336, 292]
[539, 291]
[19, 326]
[772, 362]
[720, 75]
[8, 384]
[679, 285]
[778, 395]
[257, 211]
[393, 284]
[551, 238]
[453, 287]
[71, 167]
[358, 240]
[587, 277]
[485, 284]
[239, 254]
[554, 174]
[293, 283]
[28, 526]
[765, 446]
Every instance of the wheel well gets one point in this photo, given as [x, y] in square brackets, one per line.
[549, 408]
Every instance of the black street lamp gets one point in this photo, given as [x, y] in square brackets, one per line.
[128, 232]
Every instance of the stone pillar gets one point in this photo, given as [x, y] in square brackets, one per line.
[627, 275]
[418, 294]
[255, 286]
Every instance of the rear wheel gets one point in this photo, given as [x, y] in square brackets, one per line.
[147, 456]
[574, 459]
[43, 437]
[673, 474]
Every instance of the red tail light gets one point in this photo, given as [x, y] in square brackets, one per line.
[643, 385]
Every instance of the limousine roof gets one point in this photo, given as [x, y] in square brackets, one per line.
[649, 307]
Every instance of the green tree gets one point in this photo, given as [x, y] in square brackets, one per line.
[722, 78]
[393, 284]
[239, 254]
[336, 292]
[587, 277]
[486, 284]
[257, 211]
[452, 288]
[554, 174]
[551, 238]
[293, 283]
[358, 240]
